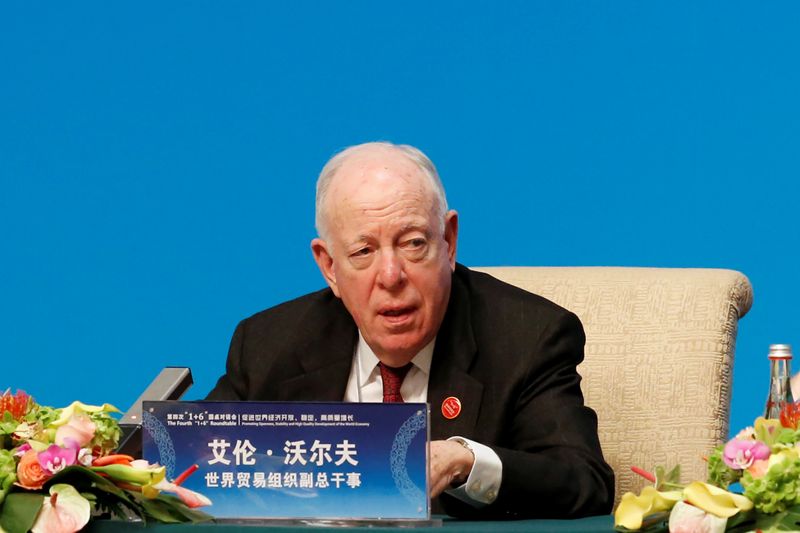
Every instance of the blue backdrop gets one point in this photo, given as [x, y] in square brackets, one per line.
[157, 160]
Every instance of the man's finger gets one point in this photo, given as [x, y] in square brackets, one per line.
[450, 464]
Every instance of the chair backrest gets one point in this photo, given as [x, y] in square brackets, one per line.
[659, 357]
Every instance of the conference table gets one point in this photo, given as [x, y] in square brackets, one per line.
[591, 524]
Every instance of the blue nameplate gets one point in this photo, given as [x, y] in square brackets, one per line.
[296, 460]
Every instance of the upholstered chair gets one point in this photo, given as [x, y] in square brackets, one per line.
[659, 357]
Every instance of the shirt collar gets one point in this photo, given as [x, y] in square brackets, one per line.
[368, 361]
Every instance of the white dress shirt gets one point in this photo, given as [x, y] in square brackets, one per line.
[365, 385]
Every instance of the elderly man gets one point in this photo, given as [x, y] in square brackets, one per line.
[512, 437]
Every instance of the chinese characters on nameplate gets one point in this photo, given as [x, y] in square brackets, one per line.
[296, 460]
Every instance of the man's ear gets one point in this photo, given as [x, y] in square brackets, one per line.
[451, 236]
[324, 259]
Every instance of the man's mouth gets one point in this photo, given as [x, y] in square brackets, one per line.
[396, 314]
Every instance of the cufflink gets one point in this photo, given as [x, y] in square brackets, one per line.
[465, 444]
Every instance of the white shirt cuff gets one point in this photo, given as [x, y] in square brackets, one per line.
[485, 477]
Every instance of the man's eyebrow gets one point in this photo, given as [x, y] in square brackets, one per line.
[411, 226]
[363, 238]
[360, 239]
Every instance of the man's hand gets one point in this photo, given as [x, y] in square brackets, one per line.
[451, 464]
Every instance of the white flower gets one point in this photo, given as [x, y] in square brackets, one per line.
[85, 457]
[686, 518]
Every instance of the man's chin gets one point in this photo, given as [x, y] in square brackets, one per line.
[398, 352]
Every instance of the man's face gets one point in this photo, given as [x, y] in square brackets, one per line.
[387, 256]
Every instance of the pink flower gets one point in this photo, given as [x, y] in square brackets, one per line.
[191, 498]
[22, 449]
[79, 428]
[740, 454]
[55, 458]
[65, 511]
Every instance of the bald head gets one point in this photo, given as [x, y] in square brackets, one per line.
[359, 162]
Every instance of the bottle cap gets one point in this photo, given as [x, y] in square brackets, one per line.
[780, 351]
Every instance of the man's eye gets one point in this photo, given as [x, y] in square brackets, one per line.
[415, 243]
[361, 252]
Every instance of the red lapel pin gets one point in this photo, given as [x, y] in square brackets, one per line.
[451, 407]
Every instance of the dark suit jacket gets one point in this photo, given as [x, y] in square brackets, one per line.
[507, 354]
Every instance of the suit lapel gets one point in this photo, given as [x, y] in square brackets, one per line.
[326, 384]
[325, 353]
[452, 360]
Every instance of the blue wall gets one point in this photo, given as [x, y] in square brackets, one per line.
[157, 160]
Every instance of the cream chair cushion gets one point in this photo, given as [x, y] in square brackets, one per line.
[659, 357]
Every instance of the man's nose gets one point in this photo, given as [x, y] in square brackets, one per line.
[390, 270]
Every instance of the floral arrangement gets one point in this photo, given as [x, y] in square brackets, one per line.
[762, 464]
[58, 470]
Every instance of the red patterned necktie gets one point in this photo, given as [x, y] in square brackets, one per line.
[392, 381]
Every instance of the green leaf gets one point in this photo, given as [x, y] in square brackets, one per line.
[190, 515]
[19, 511]
[719, 474]
[776, 491]
[8, 473]
[169, 509]
[788, 520]
[159, 510]
[44, 415]
[666, 481]
[7, 424]
[107, 431]
[654, 523]
[84, 479]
